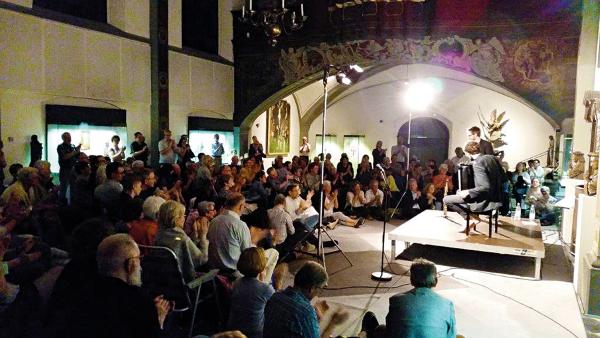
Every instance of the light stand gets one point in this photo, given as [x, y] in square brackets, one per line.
[346, 75]
[381, 275]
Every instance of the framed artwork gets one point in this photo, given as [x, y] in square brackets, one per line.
[278, 128]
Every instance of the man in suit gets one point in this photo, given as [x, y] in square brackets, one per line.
[411, 202]
[488, 177]
[419, 312]
[485, 147]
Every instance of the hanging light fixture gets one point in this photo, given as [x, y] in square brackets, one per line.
[274, 21]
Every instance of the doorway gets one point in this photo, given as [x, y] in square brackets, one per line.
[429, 139]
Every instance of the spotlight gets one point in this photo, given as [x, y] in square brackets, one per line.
[343, 79]
[348, 75]
[419, 95]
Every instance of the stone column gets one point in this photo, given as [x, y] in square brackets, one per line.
[159, 50]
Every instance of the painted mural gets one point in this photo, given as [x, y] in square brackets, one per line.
[537, 69]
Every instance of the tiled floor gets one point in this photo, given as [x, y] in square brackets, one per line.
[498, 299]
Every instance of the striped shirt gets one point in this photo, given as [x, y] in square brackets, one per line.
[281, 222]
[289, 314]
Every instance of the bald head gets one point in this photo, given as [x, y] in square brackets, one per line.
[119, 256]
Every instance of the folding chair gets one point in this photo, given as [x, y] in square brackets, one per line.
[161, 275]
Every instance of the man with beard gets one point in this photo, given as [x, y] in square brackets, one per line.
[115, 305]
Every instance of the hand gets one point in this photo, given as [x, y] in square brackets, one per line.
[418, 194]
[339, 317]
[310, 194]
[321, 307]
[78, 147]
[162, 308]
[202, 227]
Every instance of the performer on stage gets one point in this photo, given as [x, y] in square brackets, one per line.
[488, 177]
[485, 147]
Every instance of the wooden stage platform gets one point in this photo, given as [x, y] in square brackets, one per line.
[517, 238]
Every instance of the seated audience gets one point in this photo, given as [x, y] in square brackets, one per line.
[419, 312]
[312, 179]
[276, 185]
[280, 221]
[250, 294]
[460, 158]
[108, 193]
[301, 210]
[544, 207]
[440, 180]
[257, 192]
[345, 170]
[289, 313]
[355, 201]
[374, 200]
[19, 191]
[331, 203]
[412, 204]
[143, 231]
[149, 184]
[364, 171]
[114, 305]
[534, 193]
[428, 197]
[228, 236]
[81, 270]
[520, 181]
[536, 170]
[171, 217]
[199, 218]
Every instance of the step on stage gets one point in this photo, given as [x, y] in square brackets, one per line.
[517, 238]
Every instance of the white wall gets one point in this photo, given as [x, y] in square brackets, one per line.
[46, 62]
[261, 131]
[456, 105]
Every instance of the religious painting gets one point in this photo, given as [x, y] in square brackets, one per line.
[278, 128]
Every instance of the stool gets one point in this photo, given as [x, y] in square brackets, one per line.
[489, 211]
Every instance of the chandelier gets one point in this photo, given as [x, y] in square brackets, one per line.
[274, 21]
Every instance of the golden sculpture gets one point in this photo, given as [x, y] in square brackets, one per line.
[577, 166]
[592, 176]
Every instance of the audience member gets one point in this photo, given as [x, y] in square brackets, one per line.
[304, 148]
[255, 150]
[329, 206]
[400, 150]
[108, 193]
[217, 151]
[378, 153]
[419, 312]
[114, 305]
[171, 218]
[280, 221]
[536, 170]
[167, 149]
[355, 201]
[460, 158]
[143, 231]
[35, 149]
[139, 148]
[374, 200]
[289, 313]
[412, 203]
[67, 155]
[185, 151]
[250, 295]
[117, 153]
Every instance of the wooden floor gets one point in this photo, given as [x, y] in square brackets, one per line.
[517, 238]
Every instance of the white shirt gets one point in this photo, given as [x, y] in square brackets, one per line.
[169, 156]
[350, 199]
[370, 196]
[305, 149]
[293, 204]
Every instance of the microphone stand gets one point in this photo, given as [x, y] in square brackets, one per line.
[381, 275]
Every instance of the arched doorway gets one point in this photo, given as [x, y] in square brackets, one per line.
[430, 139]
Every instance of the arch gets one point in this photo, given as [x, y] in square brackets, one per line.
[430, 138]
[339, 93]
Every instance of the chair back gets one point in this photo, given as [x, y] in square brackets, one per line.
[161, 275]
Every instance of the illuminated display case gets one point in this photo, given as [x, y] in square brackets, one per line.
[202, 130]
[91, 127]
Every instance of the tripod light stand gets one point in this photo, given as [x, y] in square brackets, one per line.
[346, 75]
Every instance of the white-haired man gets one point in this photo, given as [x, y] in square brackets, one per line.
[115, 305]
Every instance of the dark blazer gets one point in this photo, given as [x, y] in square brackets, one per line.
[489, 177]
[485, 147]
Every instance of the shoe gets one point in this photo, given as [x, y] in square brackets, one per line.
[369, 323]
[361, 221]
[307, 247]
[332, 225]
[330, 244]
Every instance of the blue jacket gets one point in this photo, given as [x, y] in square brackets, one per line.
[420, 313]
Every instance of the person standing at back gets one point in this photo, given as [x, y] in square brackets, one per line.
[168, 149]
[67, 156]
[139, 148]
[217, 151]
[474, 135]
